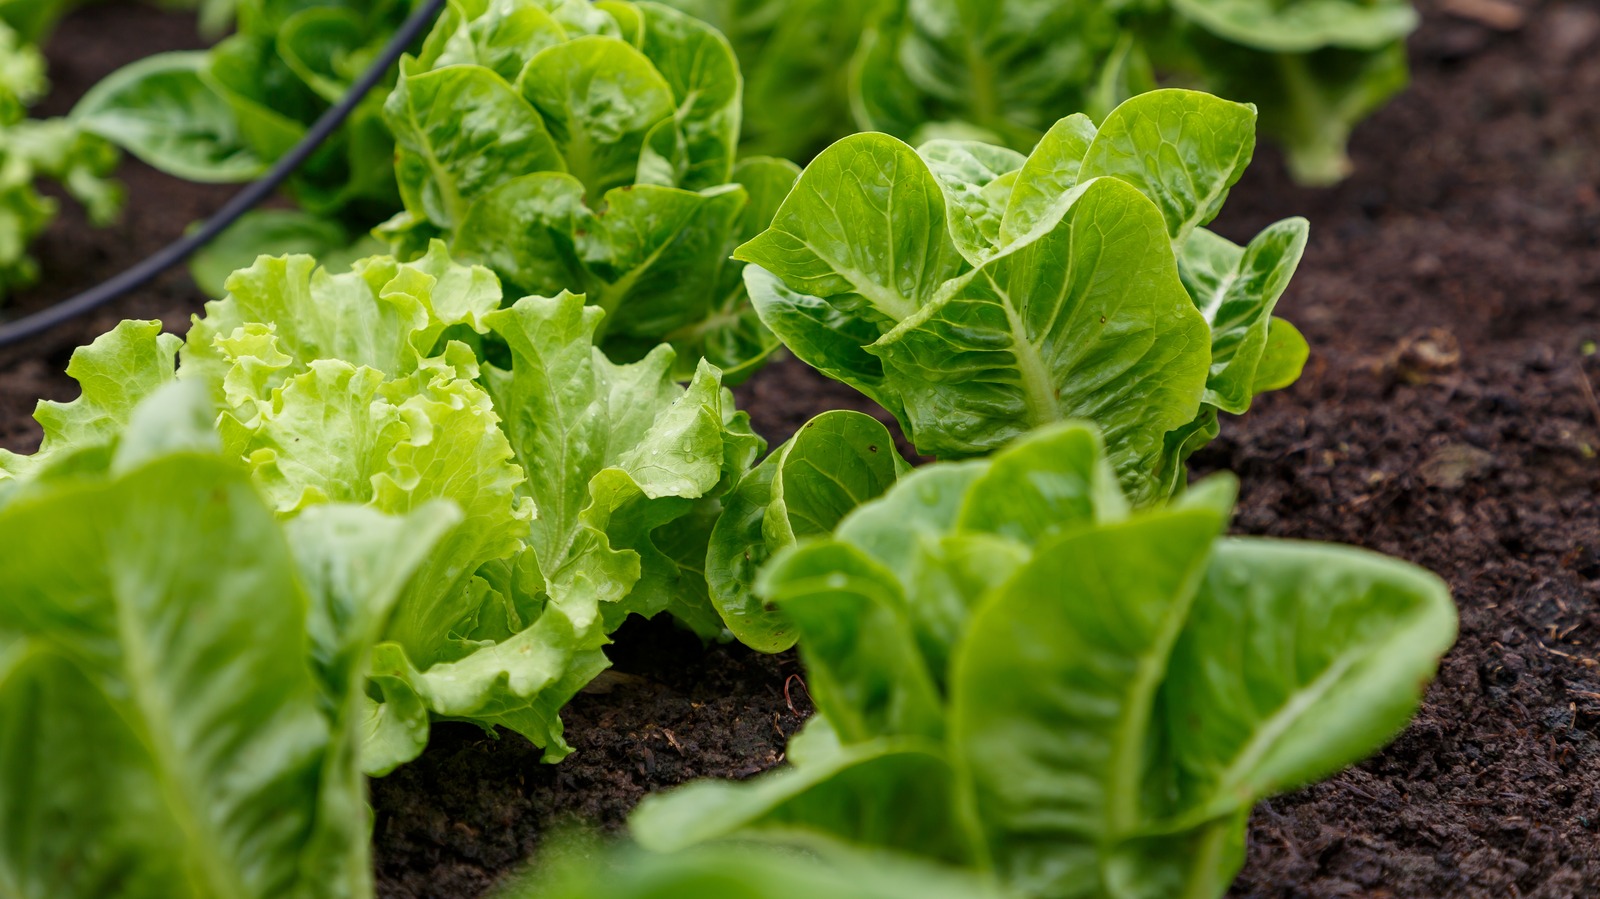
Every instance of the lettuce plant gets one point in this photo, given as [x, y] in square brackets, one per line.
[1000, 72]
[34, 149]
[224, 115]
[586, 488]
[977, 293]
[181, 672]
[591, 149]
[793, 55]
[1314, 68]
[1006, 70]
[1018, 673]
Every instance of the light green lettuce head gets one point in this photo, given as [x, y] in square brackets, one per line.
[585, 489]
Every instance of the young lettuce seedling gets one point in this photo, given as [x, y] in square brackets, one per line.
[586, 488]
[590, 148]
[977, 293]
[1018, 673]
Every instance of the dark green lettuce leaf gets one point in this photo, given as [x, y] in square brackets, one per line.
[226, 114]
[996, 72]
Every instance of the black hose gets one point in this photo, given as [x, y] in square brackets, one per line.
[177, 251]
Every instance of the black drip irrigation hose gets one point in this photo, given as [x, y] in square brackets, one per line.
[179, 250]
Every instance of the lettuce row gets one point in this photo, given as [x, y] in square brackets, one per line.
[586, 488]
[1004, 72]
[976, 293]
[182, 672]
[591, 149]
[1018, 673]
[31, 149]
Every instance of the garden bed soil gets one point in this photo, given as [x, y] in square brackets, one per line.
[1451, 294]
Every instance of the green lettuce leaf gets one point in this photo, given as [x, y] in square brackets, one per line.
[749, 872]
[179, 674]
[793, 54]
[226, 114]
[834, 463]
[1088, 697]
[1001, 73]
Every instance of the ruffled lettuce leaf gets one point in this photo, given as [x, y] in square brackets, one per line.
[1069, 695]
[581, 491]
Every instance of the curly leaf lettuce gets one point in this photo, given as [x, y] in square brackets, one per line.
[590, 149]
[586, 490]
[180, 673]
[977, 294]
[1018, 673]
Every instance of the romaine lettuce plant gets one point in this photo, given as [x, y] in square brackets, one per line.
[1004, 71]
[977, 293]
[587, 488]
[794, 55]
[182, 674]
[591, 149]
[1018, 673]
[32, 149]
[1314, 68]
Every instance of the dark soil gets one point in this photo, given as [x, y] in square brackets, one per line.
[1448, 416]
